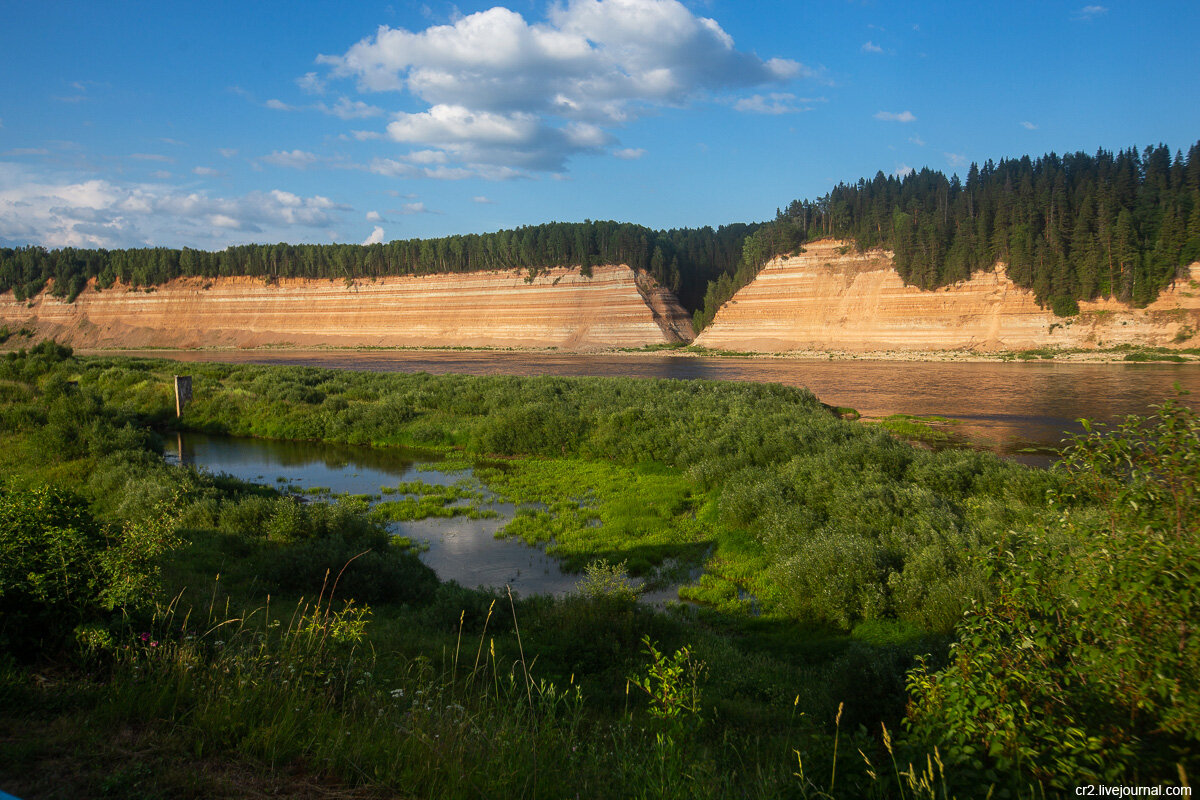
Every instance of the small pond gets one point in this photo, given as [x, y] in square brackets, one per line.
[458, 549]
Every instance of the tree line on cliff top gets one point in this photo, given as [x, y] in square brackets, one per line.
[1069, 228]
[1072, 227]
[683, 260]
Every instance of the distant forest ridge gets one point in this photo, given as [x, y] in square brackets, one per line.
[683, 260]
[1069, 228]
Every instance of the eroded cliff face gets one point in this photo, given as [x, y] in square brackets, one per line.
[832, 298]
[560, 308]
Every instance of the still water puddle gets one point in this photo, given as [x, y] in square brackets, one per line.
[458, 548]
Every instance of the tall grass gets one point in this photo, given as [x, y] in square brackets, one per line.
[307, 687]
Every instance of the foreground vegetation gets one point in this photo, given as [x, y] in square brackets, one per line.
[866, 604]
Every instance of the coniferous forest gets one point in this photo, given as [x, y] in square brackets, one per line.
[1072, 227]
[684, 260]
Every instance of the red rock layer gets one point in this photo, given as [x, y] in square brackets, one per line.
[560, 308]
[832, 298]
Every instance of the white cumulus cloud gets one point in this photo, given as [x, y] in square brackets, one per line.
[503, 92]
[64, 211]
[376, 236]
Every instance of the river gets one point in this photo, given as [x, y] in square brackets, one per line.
[1009, 407]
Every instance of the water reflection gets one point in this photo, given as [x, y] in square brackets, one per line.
[459, 549]
[460, 557]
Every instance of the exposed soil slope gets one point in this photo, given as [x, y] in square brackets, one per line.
[832, 298]
[559, 308]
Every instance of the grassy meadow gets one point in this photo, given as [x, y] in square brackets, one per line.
[869, 618]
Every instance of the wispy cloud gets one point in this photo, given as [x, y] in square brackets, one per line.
[955, 159]
[482, 200]
[774, 103]
[917, 140]
[1090, 12]
[630, 153]
[227, 152]
[343, 108]
[871, 47]
[396, 168]
[26, 151]
[1029, 126]
[151, 157]
[207, 172]
[294, 159]
[311, 83]
[896, 116]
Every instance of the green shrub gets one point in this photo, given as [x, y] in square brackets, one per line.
[1064, 306]
[375, 572]
[605, 581]
[51, 574]
[1084, 668]
[535, 429]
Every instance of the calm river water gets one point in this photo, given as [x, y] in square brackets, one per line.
[1007, 406]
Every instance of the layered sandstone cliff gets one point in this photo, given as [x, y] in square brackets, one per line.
[616, 307]
[832, 298]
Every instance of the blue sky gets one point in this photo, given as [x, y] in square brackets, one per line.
[126, 124]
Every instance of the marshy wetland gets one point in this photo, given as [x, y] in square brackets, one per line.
[858, 604]
[1021, 409]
